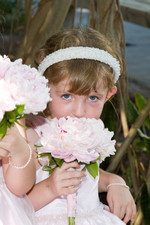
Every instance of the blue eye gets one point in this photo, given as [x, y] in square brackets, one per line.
[93, 98]
[66, 96]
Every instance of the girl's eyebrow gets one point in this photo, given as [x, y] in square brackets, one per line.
[62, 91]
[96, 94]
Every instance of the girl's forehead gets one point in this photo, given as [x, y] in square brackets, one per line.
[64, 86]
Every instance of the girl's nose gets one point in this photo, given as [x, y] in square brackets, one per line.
[79, 109]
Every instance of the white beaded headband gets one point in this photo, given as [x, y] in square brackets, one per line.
[81, 53]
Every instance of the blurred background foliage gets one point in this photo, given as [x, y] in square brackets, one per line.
[12, 14]
[26, 25]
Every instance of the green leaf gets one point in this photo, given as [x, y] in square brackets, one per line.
[141, 103]
[49, 169]
[44, 154]
[93, 169]
[145, 204]
[132, 112]
[46, 168]
[3, 127]
[52, 162]
[59, 162]
[99, 158]
[84, 168]
[19, 109]
[10, 116]
[147, 122]
[20, 116]
[38, 146]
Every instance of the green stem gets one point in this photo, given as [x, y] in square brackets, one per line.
[21, 124]
[71, 220]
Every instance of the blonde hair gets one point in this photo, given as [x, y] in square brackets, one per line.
[83, 74]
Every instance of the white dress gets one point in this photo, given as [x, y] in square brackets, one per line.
[90, 211]
[14, 210]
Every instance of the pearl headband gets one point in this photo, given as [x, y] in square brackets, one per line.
[81, 53]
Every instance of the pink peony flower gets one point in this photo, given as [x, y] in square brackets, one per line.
[77, 139]
[5, 64]
[20, 85]
[6, 101]
[26, 86]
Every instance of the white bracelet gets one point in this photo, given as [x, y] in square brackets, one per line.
[119, 184]
[22, 167]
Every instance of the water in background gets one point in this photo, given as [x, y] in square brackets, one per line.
[138, 58]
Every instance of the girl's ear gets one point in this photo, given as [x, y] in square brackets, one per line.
[111, 93]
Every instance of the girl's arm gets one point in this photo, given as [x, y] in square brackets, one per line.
[119, 198]
[17, 161]
[61, 182]
[107, 178]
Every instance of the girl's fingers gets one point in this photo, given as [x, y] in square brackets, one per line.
[65, 173]
[67, 178]
[130, 213]
[73, 174]
[69, 165]
[121, 213]
[133, 211]
[117, 211]
[71, 182]
[111, 206]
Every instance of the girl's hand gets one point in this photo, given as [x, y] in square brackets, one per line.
[13, 141]
[64, 182]
[61, 182]
[121, 203]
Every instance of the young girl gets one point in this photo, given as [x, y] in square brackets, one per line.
[82, 69]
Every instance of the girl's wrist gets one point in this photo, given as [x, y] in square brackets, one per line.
[51, 195]
[107, 178]
[115, 179]
[117, 184]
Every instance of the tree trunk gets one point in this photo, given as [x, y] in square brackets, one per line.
[47, 20]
